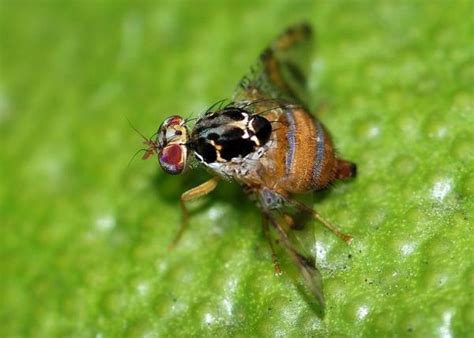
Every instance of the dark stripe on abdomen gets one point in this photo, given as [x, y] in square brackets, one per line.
[290, 152]
[319, 160]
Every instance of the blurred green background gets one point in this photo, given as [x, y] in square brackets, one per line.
[84, 236]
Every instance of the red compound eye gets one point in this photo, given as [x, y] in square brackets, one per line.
[173, 158]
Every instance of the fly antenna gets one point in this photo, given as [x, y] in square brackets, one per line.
[135, 155]
[136, 130]
[152, 136]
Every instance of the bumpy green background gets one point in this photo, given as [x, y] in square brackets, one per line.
[84, 236]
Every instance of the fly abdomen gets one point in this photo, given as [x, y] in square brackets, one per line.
[309, 158]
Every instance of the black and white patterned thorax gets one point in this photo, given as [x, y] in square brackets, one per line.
[228, 136]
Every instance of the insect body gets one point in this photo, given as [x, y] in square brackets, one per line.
[267, 141]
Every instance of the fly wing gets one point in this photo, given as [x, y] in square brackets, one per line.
[277, 211]
[280, 72]
[305, 264]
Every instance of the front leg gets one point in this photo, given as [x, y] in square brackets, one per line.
[191, 194]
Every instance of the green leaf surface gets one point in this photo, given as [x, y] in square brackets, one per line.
[84, 236]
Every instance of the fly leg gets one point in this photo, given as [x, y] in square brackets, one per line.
[191, 194]
[303, 208]
[266, 231]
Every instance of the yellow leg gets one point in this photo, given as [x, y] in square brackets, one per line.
[189, 195]
[346, 238]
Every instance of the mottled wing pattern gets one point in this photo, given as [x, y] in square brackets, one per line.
[280, 74]
[281, 68]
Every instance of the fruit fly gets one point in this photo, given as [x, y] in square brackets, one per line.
[267, 141]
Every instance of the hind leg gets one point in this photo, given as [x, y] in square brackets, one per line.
[303, 208]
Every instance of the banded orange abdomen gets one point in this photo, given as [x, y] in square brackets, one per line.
[304, 153]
